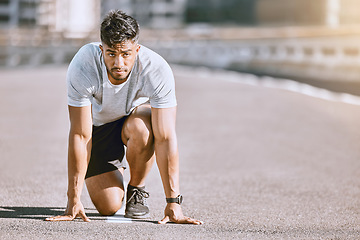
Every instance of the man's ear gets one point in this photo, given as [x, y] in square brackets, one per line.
[101, 48]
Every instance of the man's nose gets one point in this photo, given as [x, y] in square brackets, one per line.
[119, 62]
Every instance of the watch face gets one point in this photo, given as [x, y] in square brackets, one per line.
[180, 199]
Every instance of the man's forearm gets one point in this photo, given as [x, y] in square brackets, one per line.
[167, 158]
[78, 155]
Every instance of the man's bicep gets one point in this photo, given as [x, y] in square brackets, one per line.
[163, 122]
[80, 120]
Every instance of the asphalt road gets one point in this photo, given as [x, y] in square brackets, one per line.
[256, 163]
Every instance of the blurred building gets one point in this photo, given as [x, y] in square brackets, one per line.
[35, 32]
[349, 11]
[150, 13]
[222, 12]
[291, 12]
[14, 13]
[81, 17]
[274, 12]
[331, 13]
[72, 18]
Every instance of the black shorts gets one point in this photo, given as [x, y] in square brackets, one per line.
[108, 150]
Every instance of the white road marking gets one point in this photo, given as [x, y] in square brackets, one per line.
[269, 82]
[298, 87]
[119, 215]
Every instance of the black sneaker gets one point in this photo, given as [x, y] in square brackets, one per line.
[136, 206]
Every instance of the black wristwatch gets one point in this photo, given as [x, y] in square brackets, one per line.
[179, 199]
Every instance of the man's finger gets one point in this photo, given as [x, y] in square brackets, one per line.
[59, 218]
[84, 217]
[164, 220]
[188, 220]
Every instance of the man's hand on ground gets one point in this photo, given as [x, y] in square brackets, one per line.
[173, 213]
[73, 210]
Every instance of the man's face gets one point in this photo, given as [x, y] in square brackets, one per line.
[119, 60]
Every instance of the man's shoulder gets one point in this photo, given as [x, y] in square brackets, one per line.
[86, 65]
[90, 49]
[151, 62]
[88, 57]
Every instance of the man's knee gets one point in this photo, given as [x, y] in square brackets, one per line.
[107, 201]
[141, 130]
[137, 129]
[108, 209]
[106, 191]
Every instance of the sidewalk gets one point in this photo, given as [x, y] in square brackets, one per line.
[256, 163]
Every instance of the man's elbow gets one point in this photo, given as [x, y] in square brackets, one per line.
[80, 136]
[165, 138]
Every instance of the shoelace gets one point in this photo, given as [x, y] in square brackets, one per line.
[139, 196]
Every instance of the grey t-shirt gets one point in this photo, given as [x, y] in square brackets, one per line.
[151, 80]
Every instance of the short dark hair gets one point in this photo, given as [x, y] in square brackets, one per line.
[118, 27]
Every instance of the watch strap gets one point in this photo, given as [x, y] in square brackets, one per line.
[178, 200]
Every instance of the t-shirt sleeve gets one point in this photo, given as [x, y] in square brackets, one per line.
[162, 86]
[79, 85]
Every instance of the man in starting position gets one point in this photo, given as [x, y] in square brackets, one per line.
[121, 93]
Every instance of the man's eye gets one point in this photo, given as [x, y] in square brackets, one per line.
[126, 54]
[111, 55]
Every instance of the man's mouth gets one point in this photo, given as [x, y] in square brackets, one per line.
[118, 70]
